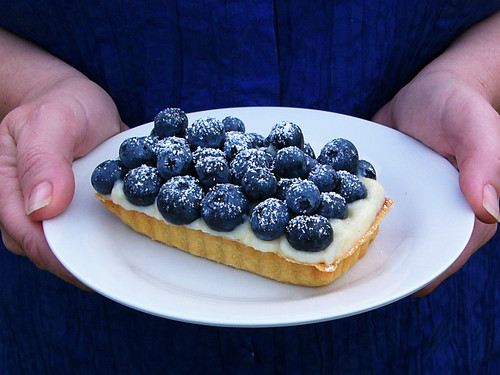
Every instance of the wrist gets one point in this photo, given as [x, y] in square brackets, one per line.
[26, 71]
[475, 59]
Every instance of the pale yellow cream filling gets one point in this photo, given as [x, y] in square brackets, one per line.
[361, 215]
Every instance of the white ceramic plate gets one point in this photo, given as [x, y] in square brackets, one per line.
[421, 237]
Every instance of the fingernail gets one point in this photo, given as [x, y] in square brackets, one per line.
[40, 196]
[490, 201]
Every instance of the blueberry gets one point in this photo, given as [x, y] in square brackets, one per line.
[179, 200]
[310, 162]
[309, 233]
[170, 122]
[236, 142]
[212, 170]
[257, 140]
[259, 184]
[285, 134]
[202, 152]
[205, 132]
[247, 159]
[106, 174]
[224, 207]
[325, 177]
[269, 218]
[332, 206]
[135, 151]
[174, 160]
[341, 154]
[308, 150]
[283, 185]
[232, 123]
[166, 143]
[350, 187]
[366, 169]
[291, 162]
[303, 197]
[141, 185]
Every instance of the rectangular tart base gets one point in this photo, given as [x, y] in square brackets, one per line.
[236, 254]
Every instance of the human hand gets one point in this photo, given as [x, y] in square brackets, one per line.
[39, 139]
[455, 118]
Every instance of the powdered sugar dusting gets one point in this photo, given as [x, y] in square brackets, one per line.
[184, 188]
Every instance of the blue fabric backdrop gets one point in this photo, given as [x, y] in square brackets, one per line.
[343, 56]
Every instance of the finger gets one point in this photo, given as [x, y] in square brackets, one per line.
[38, 142]
[24, 237]
[20, 234]
[467, 133]
[44, 154]
[42, 256]
[11, 244]
[477, 151]
[383, 115]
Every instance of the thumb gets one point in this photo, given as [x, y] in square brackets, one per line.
[478, 161]
[50, 189]
[44, 161]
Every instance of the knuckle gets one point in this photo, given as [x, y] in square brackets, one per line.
[27, 245]
[13, 117]
[490, 232]
[17, 119]
[34, 252]
[10, 244]
[24, 238]
[32, 161]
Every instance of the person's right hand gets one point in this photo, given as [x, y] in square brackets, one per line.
[39, 140]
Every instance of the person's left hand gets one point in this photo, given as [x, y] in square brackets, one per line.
[455, 118]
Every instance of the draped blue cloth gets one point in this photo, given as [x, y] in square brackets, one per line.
[344, 56]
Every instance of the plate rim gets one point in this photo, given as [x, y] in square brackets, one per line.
[211, 320]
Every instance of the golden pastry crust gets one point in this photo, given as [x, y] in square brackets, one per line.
[236, 254]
